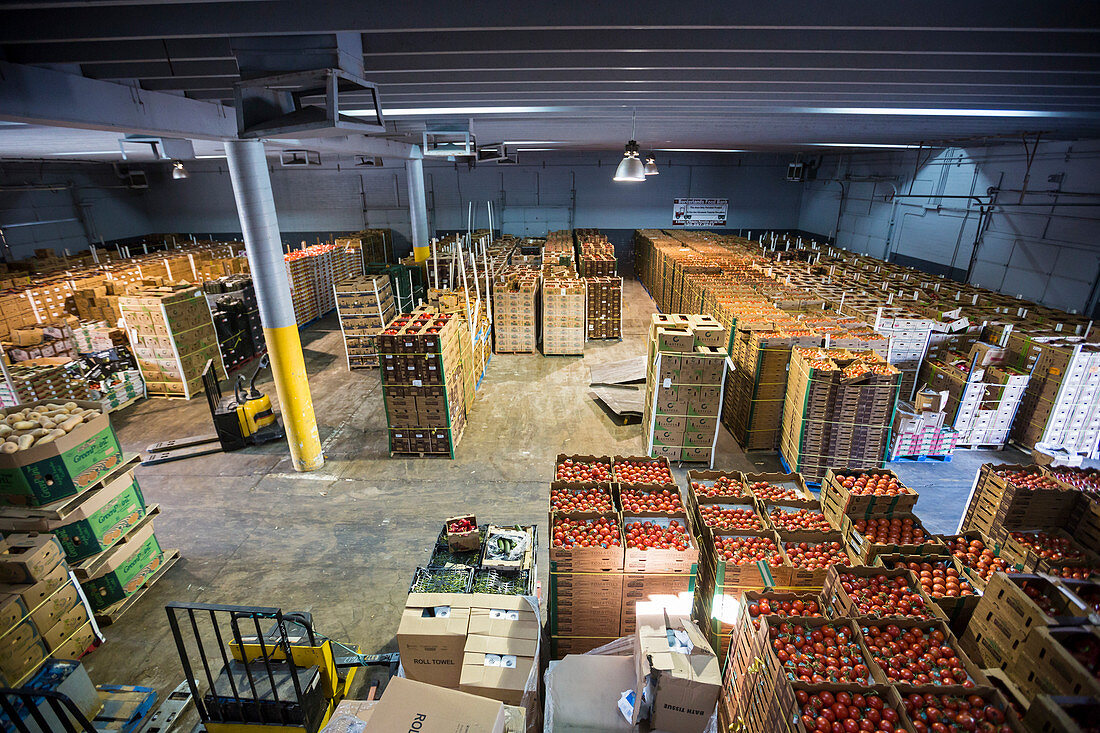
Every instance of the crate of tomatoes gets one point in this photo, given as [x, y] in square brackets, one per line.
[782, 487]
[658, 543]
[893, 644]
[582, 469]
[930, 708]
[642, 471]
[797, 517]
[865, 493]
[738, 559]
[978, 556]
[900, 534]
[717, 485]
[876, 592]
[943, 580]
[584, 542]
[810, 555]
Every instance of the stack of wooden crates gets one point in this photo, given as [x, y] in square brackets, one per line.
[515, 314]
[365, 306]
[563, 311]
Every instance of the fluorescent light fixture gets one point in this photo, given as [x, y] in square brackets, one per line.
[535, 142]
[865, 145]
[430, 111]
[86, 152]
[698, 150]
[535, 150]
[929, 112]
[208, 157]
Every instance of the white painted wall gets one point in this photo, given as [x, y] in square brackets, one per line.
[1043, 253]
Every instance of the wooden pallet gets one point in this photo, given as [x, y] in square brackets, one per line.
[87, 568]
[980, 446]
[126, 404]
[111, 614]
[61, 509]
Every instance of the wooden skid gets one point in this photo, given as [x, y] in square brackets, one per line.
[61, 509]
[125, 404]
[86, 569]
[979, 446]
[111, 614]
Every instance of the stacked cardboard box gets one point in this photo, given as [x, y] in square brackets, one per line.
[597, 255]
[99, 302]
[236, 315]
[1009, 497]
[684, 382]
[365, 306]
[370, 245]
[42, 340]
[838, 411]
[43, 609]
[172, 337]
[482, 644]
[117, 388]
[97, 336]
[558, 248]
[604, 299]
[422, 383]
[48, 379]
[563, 311]
[515, 310]
[921, 432]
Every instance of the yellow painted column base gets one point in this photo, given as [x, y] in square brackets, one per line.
[421, 254]
[288, 367]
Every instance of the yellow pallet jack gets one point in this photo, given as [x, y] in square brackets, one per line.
[246, 679]
[241, 419]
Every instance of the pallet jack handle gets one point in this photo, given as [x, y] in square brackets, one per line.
[253, 393]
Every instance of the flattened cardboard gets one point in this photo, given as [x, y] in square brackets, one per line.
[582, 691]
[408, 705]
[431, 647]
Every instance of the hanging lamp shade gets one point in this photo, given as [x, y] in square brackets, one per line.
[179, 172]
[651, 166]
[630, 168]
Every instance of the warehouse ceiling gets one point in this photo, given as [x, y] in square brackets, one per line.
[776, 75]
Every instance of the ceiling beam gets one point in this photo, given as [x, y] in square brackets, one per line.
[195, 49]
[271, 17]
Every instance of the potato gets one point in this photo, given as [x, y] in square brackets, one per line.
[8, 447]
[5, 430]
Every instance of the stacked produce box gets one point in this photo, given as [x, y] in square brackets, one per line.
[422, 383]
[515, 310]
[71, 510]
[48, 379]
[838, 411]
[370, 245]
[922, 433]
[685, 374]
[313, 271]
[604, 302]
[172, 337]
[558, 249]
[99, 302]
[365, 306]
[42, 341]
[563, 311]
[619, 535]
[597, 255]
[236, 315]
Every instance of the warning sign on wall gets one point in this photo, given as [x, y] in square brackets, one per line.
[699, 212]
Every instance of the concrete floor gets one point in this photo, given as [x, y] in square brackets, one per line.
[343, 542]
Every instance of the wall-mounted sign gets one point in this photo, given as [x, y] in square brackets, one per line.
[699, 212]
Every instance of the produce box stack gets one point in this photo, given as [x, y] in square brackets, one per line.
[117, 388]
[563, 311]
[515, 310]
[922, 433]
[558, 249]
[684, 382]
[299, 271]
[365, 306]
[15, 312]
[838, 411]
[86, 337]
[41, 341]
[586, 548]
[604, 299]
[1009, 497]
[486, 558]
[661, 555]
[172, 337]
[48, 379]
[422, 383]
[42, 606]
[983, 393]
[75, 484]
[597, 255]
[1038, 633]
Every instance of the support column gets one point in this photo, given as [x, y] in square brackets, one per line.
[418, 208]
[263, 245]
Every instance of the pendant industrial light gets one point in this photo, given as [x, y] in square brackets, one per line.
[651, 166]
[631, 168]
[178, 171]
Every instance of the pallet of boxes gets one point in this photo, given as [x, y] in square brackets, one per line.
[365, 306]
[423, 387]
[172, 337]
[79, 534]
[620, 535]
[685, 376]
[563, 312]
[515, 310]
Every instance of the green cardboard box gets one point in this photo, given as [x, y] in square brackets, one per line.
[103, 519]
[44, 474]
[129, 565]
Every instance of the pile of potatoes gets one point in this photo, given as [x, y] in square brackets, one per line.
[41, 424]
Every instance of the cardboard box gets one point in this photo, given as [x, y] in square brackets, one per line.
[72, 463]
[499, 667]
[29, 557]
[582, 690]
[677, 684]
[431, 637]
[409, 705]
[126, 569]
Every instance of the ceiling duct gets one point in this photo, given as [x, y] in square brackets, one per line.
[368, 161]
[449, 142]
[299, 158]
